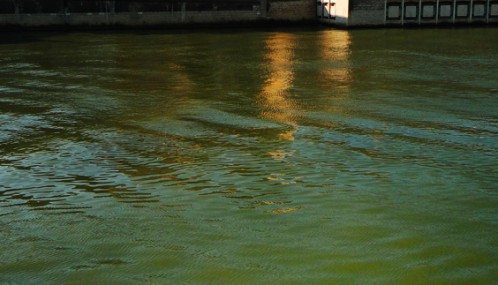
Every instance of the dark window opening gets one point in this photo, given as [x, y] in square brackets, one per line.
[445, 10]
[428, 11]
[411, 11]
[393, 11]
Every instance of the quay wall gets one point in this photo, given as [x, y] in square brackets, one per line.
[138, 13]
[179, 13]
[295, 10]
[362, 13]
[366, 12]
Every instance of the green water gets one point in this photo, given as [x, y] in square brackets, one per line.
[249, 157]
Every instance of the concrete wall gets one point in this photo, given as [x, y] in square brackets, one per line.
[291, 10]
[440, 12]
[407, 12]
[366, 18]
[127, 19]
[366, 12]
[348, 13]
[46, 13]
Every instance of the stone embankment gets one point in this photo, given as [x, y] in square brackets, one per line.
[148, 13]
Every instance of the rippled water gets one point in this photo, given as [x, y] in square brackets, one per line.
[249, 157]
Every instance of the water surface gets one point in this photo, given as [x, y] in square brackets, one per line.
[249, 157]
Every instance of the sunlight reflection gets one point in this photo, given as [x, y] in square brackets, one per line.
[335, 48]
[275, 91]
[182, 82]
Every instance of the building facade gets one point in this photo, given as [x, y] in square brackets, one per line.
[345, 13]
[351, 13]
[130, 13]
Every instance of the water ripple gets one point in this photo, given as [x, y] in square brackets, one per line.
[317, 157]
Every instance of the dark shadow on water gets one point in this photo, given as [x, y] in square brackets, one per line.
[20, 36]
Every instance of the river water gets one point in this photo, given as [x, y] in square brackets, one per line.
[291, 156]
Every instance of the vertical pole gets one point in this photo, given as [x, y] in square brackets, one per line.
[17, 9]
[471, 10]
[385, 12]
[419, 11]
[454, 10]
[264, 8]
[437, 11]
[488, 11]
[402, 12]
[184, 7]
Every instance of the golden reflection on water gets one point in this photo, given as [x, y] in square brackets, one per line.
[280, 76]
[182, 83]
[335, 48]
[277, 106]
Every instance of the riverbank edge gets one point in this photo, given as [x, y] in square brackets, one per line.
[261, 23]
[258, 24]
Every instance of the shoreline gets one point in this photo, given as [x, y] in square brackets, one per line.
[266, 24]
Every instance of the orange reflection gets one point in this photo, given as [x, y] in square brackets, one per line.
[274, 94]
[335, 48]
[182, 83]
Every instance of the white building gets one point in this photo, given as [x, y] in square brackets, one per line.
[351, 13]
